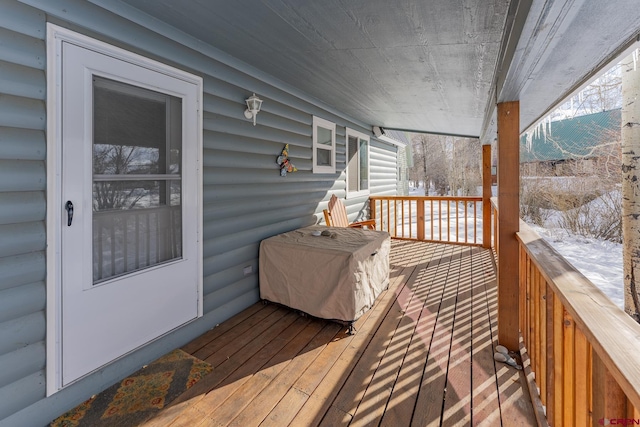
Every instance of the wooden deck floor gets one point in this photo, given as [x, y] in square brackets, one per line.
[423, 356]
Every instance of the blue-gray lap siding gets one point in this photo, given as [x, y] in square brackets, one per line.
[245, 199]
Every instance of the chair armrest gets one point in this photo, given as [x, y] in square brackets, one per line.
[371, 223]
[327, 217]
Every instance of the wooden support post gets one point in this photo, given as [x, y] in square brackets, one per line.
[509, 208]
[486, 196]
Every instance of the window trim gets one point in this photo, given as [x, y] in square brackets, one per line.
[359, 136]
[320, 122]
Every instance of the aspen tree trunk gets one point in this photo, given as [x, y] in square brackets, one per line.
[425, 176]
[631, 185]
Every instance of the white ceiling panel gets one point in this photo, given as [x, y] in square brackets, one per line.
[434, 66]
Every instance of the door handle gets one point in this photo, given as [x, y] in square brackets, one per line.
[69, 208]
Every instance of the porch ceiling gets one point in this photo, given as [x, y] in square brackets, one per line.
[432, 66]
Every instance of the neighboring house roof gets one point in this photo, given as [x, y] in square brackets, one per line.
[403, 138]
[398, 136]
[575, 138]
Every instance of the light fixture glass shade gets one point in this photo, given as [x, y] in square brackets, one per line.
[254, 103]
[253, 107]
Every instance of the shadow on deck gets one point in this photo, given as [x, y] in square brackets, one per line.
[422, 356]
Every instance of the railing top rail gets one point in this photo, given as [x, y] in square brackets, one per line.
[451, 198]
[613, 334]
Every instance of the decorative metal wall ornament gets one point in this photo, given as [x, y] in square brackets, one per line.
[284, 162]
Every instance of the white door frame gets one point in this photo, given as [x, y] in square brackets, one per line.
[55, 211]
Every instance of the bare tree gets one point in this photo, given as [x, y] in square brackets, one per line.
[464, 166]
[603, 94]
[429, 162]
[117, 160]
[449, 165]
[630, 184]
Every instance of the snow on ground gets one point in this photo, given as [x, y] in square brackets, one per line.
[413, 191]
[599, 260]
[446, 221]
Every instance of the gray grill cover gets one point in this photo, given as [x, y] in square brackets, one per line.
[336, 279]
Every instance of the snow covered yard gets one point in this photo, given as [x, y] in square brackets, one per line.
[599, 260]
[444, 220]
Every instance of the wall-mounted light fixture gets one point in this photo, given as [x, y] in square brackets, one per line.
[378, 131]
[381, 134]
[253, 107]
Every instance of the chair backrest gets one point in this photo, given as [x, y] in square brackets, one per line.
[337, 213]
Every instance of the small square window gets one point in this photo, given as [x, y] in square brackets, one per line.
[324, 146]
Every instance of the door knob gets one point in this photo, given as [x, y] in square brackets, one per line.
[69, 208]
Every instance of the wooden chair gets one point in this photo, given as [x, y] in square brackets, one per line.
[336, 216]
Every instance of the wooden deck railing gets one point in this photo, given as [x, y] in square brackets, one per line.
[583, 350]
[494, 225]
[456, 220]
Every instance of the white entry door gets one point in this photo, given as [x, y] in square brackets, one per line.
[128, 203]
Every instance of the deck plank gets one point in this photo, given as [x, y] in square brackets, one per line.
[354, 390]
[324, 393]
[428, 409]
[227, 375]
[264, 376]
[484, 399]
[423, 355]
[282, 381]
[457, 404]
[371, 407]
[220, 329]
[515, 404]
[400, 407]
[232, 374]
[229, 336]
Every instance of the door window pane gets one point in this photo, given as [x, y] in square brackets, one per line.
[141, 194]
[136, 131]
[137, 156]
[130, 240]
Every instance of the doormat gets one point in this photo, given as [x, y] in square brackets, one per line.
[139, 396]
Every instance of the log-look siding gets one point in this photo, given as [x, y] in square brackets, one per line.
[245, 199]
[22, 206]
